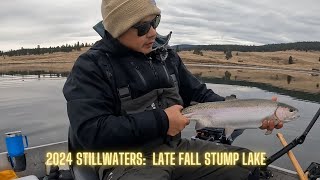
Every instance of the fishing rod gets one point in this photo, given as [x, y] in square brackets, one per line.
[299, 140]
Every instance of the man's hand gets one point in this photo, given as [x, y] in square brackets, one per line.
[177, 122]
[269, 123]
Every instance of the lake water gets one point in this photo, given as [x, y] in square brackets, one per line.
[35, 105]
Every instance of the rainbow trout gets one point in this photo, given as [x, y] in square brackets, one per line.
[239, 114]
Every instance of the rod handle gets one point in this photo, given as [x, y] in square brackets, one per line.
[293, 159]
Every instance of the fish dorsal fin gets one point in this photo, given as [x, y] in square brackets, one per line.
[192, 103]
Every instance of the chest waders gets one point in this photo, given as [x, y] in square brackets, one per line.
[161, 98]
[157, 98]
[164, 98]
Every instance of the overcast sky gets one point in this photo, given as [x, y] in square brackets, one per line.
[56, 22]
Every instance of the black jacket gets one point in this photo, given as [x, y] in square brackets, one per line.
[93, 104]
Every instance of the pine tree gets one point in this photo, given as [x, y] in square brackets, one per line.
[228, 55]
[290, 60]
[227, 75]
[77, 47]
[178, 50]
[197, 52]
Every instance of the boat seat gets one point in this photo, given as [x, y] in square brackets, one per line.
[83, 173]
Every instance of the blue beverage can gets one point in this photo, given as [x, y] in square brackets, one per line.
[14, 143]
[15, 147]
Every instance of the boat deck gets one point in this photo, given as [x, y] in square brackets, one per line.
[36, 157]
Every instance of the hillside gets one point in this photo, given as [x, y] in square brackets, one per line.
[62, 63]
[301, 60]
[298, 46]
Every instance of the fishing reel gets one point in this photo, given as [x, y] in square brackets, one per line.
[212, 134]
[313, 171]
[209, 134]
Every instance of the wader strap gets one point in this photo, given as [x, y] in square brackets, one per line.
[157, 98]
[174, 78]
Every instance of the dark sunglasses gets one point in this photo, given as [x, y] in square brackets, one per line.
[144, 28]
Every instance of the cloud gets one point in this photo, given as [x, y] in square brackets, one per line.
[52, 23]
[47, 23]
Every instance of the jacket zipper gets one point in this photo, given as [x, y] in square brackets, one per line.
[165, 70]
[139, 73]
[156, 76]
[153, 69]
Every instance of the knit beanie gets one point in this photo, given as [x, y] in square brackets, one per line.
[119, 15]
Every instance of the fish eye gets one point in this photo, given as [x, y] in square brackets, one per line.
[291, 110]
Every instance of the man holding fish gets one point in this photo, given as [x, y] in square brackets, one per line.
[128, 93]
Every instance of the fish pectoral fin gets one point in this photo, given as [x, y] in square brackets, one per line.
[199, 126]
[228, 131]
[276, 122]
[202, 121]
[268, 132]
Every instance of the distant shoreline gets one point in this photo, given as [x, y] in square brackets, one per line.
[62, 61]
[254, 67]
[258, 67]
